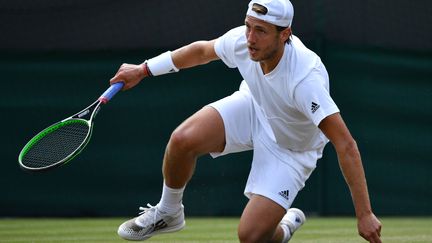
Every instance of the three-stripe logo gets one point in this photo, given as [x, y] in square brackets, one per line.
[285, 194]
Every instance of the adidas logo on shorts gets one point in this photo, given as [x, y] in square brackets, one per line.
[285, 194]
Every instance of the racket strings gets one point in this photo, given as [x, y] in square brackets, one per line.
[57, 145]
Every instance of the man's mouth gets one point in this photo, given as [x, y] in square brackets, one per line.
[252, 50]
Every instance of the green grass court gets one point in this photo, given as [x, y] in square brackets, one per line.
[205, 230]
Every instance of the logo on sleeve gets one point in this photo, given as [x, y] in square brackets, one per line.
[314, 107]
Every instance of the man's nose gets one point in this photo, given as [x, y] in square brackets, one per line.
[251, 37]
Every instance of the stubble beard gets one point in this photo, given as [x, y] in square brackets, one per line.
[267, 55]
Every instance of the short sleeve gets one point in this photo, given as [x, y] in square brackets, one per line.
[313, 99]
[225, 46]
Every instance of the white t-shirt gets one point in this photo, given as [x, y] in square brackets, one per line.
[293, 98]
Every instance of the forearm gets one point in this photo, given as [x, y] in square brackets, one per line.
[352, 169]
[194, 54]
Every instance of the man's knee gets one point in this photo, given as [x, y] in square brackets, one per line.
[260, 219]
[253, 232]
[199, 134]
[182, 141]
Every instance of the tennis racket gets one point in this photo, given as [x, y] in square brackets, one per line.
[62, 141]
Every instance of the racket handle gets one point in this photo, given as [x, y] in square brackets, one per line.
[110, 92]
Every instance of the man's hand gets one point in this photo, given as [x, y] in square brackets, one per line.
[369, 227]
[130, 74]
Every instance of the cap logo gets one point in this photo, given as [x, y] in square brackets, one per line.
[260, 9]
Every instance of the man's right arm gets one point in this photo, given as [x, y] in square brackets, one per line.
[194, 54]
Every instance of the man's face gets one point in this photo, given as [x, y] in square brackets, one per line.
[263, 39]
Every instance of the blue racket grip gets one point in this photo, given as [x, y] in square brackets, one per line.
[110, 92]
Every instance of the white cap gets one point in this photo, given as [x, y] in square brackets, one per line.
[277, 12]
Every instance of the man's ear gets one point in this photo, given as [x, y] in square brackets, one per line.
[286, 33]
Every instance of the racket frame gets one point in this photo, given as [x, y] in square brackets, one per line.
[89, 112]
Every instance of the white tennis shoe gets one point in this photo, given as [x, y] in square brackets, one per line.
[293, 219]
[151, 222]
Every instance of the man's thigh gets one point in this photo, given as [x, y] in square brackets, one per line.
[202, 133]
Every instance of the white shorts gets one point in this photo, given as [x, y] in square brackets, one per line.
[276, 173]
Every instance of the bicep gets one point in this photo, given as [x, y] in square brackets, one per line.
[209, 51]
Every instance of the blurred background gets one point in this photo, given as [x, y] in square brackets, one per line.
[56, 57]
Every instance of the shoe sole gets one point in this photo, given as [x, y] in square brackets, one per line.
[171, 229]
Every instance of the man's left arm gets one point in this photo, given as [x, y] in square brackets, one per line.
[333, 126]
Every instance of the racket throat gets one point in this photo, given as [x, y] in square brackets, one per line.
[88, 113]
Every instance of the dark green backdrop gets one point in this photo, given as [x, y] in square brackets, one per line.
[52, 69]
[384, 98]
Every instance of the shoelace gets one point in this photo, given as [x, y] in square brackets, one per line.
[149, 208]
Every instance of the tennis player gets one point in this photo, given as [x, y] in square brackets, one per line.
[282, 111]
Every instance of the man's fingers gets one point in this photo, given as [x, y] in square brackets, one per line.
[114, 79]
[375, 239]
[130, 74]
[372, 237]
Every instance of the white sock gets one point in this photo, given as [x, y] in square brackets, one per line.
[287, 233]
[171, 199]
